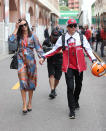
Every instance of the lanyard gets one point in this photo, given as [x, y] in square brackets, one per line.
[24, 45]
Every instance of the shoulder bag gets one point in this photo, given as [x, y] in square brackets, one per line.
[14, 62]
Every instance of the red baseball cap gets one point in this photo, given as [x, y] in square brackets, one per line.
[71, 21]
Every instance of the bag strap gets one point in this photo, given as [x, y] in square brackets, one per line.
[63, 41]
[81, 38]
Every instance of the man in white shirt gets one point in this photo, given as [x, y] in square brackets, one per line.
[73, 62]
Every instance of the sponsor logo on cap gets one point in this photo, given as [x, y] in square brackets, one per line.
[72, 20]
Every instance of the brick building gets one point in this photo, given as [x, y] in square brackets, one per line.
[37, 12]
[73, 4]
[100, 13]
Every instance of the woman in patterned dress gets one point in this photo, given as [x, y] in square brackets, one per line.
[27, 70]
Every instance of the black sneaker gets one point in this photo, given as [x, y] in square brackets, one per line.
[77, 105]
[52, 94]
[72, 115]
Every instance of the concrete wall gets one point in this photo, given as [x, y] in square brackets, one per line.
[3, 43]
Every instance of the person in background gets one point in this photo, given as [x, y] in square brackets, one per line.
[27, 68]
[61, 30]
[93, 32]
[33, 28]
[54, 63]
[73, 63]
[81, 29]
[88, 34]
[98, 38]
[46, 32]
[103, 39]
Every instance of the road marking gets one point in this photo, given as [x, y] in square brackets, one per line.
[16, 86]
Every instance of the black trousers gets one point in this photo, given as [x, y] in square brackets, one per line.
[54, 66]
[102, 47]
[73, 77]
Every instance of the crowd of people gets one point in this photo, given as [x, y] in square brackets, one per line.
[95, 36]
[70, 59]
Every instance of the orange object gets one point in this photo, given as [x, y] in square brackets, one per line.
[104, 65]
[98, 69]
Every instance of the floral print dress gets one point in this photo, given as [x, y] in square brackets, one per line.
[27, 68]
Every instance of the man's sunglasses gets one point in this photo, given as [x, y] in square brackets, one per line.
[23, 25]
[72, 25]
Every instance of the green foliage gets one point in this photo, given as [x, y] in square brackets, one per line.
[64, 8]
[63, 2]
[66, 1]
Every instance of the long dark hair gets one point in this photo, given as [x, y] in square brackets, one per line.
[19, 32]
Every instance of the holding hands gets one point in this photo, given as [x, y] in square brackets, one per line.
[41, 61]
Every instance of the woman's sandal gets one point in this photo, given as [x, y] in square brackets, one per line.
[24, 111]
[29, 110]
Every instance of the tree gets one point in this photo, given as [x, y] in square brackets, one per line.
[64, 8]
[63, 2]
[66, 1]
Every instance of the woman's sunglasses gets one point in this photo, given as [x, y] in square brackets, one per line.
[23, 25]
[72, 25]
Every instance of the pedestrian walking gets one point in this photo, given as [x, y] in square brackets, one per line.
[73, 62]
[103, 40]
[54, 63]
[93, 32]
[88, 34]
[98, 38]
[27, 69]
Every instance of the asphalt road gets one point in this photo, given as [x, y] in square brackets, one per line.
[51, 115]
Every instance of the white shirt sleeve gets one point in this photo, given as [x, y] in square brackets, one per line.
[55, 48]
[88, 48]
